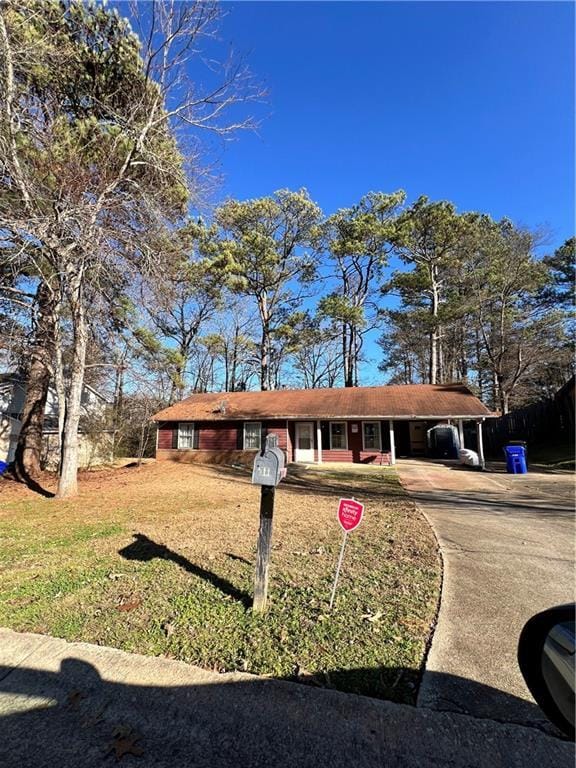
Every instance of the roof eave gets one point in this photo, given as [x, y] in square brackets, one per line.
[330, 417]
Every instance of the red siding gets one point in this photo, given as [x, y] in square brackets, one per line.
[165, 434]
[218, 436]
[221, 436]
[355, 452]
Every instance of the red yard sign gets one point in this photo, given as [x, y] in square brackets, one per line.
[350, 514]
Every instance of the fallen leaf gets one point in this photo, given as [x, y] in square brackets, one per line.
[21, 600]
[372, 616]
[124, 743]
[75, 697]
[168, 628]
[129, 605]
[328, 679]
[306, 677]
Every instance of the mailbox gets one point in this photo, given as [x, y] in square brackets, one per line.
[269, 464]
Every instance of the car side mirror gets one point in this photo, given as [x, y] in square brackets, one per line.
[546, 658]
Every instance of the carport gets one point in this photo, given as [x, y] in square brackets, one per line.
[408, 436]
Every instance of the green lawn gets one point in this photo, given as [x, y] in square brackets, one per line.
[160, 560]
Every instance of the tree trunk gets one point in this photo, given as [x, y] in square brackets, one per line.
[29, 447]
[234, 363]
[495, 390]
[235, 374]
[434, 329]
[117, 407]
[68, 481]
[141, 443]
[226, 361]
[504, 397]
[357, 348]
[59, 383]
[264, 343]
[264, 361]
[347, 342]
[441, 371]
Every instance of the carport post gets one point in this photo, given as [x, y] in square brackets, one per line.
[480, 444]
[461, 432]
[319, 441]
[392, 444]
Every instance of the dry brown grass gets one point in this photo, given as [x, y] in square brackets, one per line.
[71, 567]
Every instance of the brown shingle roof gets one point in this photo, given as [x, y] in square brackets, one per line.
[395, 401]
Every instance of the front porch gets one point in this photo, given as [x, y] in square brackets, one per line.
[372, 442]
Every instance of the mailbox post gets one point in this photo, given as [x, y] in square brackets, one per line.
[267, 472]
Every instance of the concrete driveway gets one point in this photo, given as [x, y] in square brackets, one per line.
[508, 548]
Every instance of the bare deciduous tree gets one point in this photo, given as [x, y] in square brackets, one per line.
[92, 124]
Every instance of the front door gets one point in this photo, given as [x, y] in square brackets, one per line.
[417, 438]
[304, 449]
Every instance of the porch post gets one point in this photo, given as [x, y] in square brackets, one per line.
[461, 432]
[392, 444]
[319, 442]
[480, 444]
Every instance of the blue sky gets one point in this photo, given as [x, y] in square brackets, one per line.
[471, 102]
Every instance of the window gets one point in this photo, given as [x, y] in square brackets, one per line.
[252, 432]
[185, 435]
[371, 436]
[338, 437]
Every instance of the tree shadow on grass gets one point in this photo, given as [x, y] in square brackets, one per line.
[145, 549]
[329, 484]
[237, 558]
[30, 482]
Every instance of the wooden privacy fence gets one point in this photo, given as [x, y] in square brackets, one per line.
[537, 423]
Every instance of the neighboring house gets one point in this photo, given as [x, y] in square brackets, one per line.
[95, 442]
[360, 424]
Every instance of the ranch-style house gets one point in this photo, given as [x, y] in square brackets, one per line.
[370, 425]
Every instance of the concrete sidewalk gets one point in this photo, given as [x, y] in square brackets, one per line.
[507, 544]
[67, 705]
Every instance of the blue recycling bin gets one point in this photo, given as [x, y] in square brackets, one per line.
[516, 460]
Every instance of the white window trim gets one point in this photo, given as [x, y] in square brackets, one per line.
[379, 448]
[244, 435]
[345, 435]
[187, 447]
